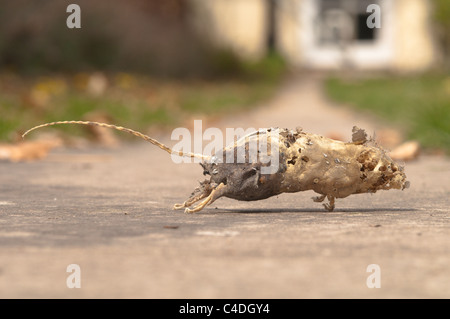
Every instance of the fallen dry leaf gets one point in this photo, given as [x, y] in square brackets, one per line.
[388, 138]
[102, 135]
[406, 151]
[28, 151]
[335, 136]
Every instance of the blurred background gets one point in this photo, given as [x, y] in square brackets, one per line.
[154, 65]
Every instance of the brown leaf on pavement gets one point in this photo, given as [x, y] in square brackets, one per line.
[28, 151]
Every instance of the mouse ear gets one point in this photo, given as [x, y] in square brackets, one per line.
[359, 135]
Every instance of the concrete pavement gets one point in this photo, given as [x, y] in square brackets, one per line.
[110, 212]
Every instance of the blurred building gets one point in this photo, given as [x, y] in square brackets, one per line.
[323, 34]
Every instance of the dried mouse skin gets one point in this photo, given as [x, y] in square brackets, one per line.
[333, 169]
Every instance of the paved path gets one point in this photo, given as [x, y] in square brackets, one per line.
[109, 211]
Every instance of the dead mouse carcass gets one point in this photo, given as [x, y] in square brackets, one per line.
[304, 161]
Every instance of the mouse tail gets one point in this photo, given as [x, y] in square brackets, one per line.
[123, 129]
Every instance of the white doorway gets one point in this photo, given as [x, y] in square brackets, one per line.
[334, 34]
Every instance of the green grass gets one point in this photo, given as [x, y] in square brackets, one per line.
[256, 82]
[134, 101]
[418, 105]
